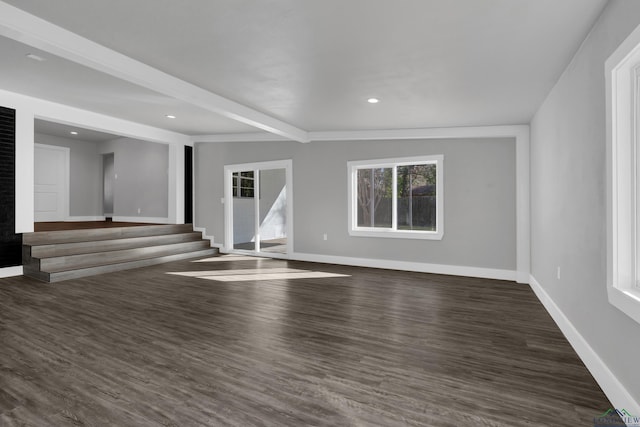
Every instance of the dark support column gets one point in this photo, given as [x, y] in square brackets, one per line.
[10, 242]
[188, 185]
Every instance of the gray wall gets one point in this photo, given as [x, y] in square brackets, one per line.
[480, 218]
[568, 198]
[142, 182]
[85, 189]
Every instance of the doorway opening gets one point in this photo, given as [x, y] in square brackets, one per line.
[108, 185]
[259, 208]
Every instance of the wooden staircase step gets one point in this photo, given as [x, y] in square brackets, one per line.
[95, 234]
[53, 256]
[70, 262]
[52, 277]
[63, 249]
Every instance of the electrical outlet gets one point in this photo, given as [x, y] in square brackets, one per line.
[139, 211]
[324, 236]
[558, 273]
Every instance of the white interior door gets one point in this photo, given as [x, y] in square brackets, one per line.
[51, 179]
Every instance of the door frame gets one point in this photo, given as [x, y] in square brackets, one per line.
[66, 180]
[287, 165]
[106, 214]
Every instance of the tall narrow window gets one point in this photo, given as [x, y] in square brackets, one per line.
[401, 198]
[622, 71]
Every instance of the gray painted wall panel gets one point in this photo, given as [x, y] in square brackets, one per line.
[142, 182]
[568, 198]
[480, 223]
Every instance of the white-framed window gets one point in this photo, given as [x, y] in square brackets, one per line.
[622, 71]
[243, 185]
[398, 198]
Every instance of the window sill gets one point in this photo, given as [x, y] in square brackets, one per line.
[625, 300]
[398, 234]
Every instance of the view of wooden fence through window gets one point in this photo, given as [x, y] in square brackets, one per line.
[414, 193]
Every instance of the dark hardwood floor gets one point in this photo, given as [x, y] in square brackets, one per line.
[356, 347]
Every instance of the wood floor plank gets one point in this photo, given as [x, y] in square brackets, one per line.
[370, 348]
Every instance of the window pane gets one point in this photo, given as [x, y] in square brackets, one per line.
[416, 194]
[374, 197]
[246, 183]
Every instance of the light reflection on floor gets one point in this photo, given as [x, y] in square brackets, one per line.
[230, 258]
[252, 274]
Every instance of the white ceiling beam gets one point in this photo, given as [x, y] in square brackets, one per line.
[237, 137]
[421, 133]
[36, 32]
[504, 131]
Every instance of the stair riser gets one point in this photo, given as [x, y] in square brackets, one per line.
[74, 274]
[112, 257]
[35, 273]
[66, 249]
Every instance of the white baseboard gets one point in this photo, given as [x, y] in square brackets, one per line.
[85, 218]
[612, 387]
[11, 271]
[453, 270]
[145, 219]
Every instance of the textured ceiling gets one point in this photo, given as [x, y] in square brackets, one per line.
[313, 64]
[64, 131]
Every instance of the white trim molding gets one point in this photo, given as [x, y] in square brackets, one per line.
[451, 270]
[11, 271]
[238, 137]
[422, 133]
[85, 218]
[622, 73]
[143, 219]
[608, 382]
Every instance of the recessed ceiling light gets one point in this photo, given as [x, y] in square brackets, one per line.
[73, 132]
[170, 116]
[35, 57]
[373, 100]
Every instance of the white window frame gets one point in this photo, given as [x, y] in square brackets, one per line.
[393, 232]
[237, 184]
[622, 71]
